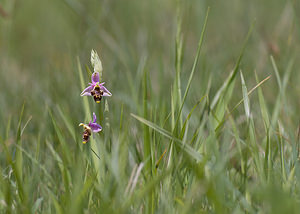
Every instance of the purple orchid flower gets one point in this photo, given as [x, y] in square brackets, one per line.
[88, 129]
[96, 89]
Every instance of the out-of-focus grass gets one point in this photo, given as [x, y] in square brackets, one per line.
[174, 139]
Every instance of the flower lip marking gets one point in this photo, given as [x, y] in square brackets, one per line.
[89, 128]
[96, 89]
[97, 93]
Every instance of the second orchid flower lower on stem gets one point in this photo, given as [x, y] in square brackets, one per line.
[89, 128]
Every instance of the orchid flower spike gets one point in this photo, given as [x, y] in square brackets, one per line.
[96, 89]
[89, 128]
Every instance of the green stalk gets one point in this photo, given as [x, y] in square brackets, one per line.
[19, 155]
[178, 57]
[147, 145]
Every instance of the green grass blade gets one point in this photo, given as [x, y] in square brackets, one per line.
[88, 71]
[245, 97]
[61, 139]
[147, 143]
[19, 155]
[37, 164]
[230, 80]
[167, 134]
[276, 73]
[263, 106]
[68, 123]
[83, 85]
[178, 56]
[58, 208]
[281, 149]
[282, 87]
[189, 116]
[194, 67]
[241, 101]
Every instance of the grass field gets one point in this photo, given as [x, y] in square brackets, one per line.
[203, 117]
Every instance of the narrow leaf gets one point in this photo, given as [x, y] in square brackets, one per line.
[245, 97]
[167, 134]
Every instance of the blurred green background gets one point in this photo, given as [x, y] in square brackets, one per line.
[40, 42]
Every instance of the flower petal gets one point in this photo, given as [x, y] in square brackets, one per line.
[95, 127]
[94, 118]
[95, 77]
[87, 91]
[106, 92]
[86, 94]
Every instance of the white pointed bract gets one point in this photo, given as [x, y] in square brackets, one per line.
[96, 63]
